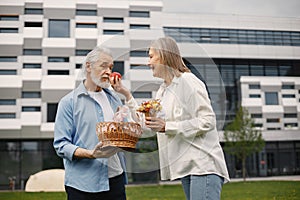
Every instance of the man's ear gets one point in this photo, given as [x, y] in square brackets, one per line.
[88, 66]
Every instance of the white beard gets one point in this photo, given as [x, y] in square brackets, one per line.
[98, 82]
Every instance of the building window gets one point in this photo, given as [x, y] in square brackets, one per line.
[143, 95]
[33, 11]
[254, 95]
[31, 94]
[138, 53]
[254, 115]
[51, 111]
[119, 67]
[78, 66]
[113, 32]
[273, 128]
[9, 18]
[113, 20]
[290, 125]
[59, 28]
[8, 72]
[273, 120]
[258, 125]
[139, 26]
[31, 109]
[254, 86]
[58, 59]
[33, 24]
[86, 12]
[136, 66]
[58, 72]
[271, 98]
[8, 59]
[7, 115]
[288, 96]
[288, 87]
[8, 30]
[7, 102]
[86, 25]
[139, 14]
[290, 115]
[34, 52]
[82, 52]
[32, 66]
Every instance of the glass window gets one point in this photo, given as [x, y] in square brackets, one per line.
[34, 11]
[33, 52]
[7, 102]
[7, 115]
[288, 87]
[59, 28]
[78, 66]
[138, 53]
[82, 52]
[8, 59]
[145, 95]
[290, 115]
[51, 111]
[31, 94]
[58, 72]
[254, 95]
[257, 69]
[86, 25]
[9, 18]
[113, 32]
[241, 70]
[271, 98]
[288, 96]
[134, 66]
[254, 115]
[139, 26]
[31, 109]
[273, 120]
[33, 24]
[8, 72]
[113, 20]
[86, 12]
[32, 66]
[8, 30]
[58, 59]
[227, 73]
[254, 86]
[139, 14]
[119, 67]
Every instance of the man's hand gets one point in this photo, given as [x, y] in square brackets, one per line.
[104, 152]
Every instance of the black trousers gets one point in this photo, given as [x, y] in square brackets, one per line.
[116, 192]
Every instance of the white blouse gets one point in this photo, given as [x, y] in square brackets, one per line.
[190, 144]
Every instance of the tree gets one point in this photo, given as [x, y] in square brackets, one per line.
[242, 138]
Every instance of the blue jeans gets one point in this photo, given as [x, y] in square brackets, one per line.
[202, 187]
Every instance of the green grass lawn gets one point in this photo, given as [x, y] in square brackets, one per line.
[256, 190]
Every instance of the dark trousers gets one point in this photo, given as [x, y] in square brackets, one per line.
[116, 191]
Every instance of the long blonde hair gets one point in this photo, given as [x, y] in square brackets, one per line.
[169, 53]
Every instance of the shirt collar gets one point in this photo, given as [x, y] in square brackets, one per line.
[175, 80]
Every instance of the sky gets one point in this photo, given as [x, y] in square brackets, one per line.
[272, 8]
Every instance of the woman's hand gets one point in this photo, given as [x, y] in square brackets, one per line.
[155, 124]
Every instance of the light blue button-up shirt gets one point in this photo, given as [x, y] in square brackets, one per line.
[75, 126]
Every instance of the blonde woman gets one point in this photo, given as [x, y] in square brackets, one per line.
[188, 140]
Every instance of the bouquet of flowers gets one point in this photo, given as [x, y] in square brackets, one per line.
[150, 108]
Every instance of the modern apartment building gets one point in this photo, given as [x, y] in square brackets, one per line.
[44, 42]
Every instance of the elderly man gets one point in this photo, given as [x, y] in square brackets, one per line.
[91, 172]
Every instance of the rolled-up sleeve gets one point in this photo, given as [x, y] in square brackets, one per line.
[63, 130]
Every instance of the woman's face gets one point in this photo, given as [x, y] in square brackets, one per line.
[155, 64]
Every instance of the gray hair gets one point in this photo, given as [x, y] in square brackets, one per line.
[93, 56]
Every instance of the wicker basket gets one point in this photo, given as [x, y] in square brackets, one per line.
[120, 134]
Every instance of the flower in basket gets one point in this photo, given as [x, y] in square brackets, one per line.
[150, 108]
